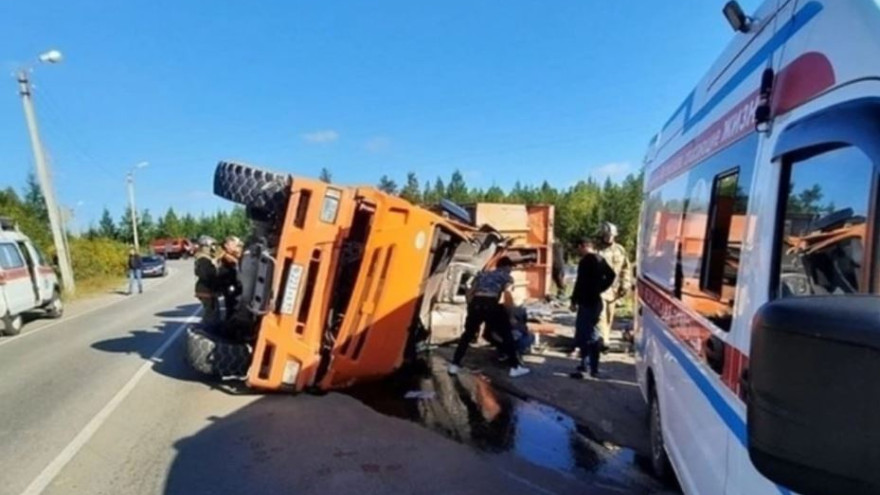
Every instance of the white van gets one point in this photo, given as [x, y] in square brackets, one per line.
[27, 281]
[758, 325]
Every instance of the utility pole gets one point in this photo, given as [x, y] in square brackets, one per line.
[131, 207]
[45, 179]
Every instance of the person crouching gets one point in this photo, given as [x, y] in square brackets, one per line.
[489, 302]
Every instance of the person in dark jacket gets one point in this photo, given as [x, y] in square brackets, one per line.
[205, 268]
[489, 303]
[558, 269]
[227, 274]
[594, 277]
[135, 265]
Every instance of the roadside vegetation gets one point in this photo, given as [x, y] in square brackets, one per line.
[99, 253]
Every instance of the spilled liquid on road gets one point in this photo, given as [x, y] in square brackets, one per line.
[468, 409]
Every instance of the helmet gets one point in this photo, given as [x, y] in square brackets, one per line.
[206, 241]
[607, 229]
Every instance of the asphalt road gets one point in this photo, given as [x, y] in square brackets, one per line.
[102, 401]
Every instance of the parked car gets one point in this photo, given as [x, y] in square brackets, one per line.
[153, 266]
[27, 281]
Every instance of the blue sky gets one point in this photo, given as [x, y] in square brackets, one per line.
[502, 90]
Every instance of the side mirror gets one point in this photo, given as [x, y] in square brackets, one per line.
[814, 394]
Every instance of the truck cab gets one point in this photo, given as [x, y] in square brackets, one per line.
[27, 281]
[338, 282]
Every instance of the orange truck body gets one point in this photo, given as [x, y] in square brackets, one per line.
[353, 269]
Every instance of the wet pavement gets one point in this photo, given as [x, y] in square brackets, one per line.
[469, 410]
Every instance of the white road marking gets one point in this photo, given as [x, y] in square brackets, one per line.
[8, 340]
[45, 478]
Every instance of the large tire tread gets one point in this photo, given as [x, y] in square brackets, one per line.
[252, 187]
[216, 357]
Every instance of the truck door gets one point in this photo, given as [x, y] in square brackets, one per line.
[16, 279]
[44, 276]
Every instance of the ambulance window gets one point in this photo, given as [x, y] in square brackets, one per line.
[10, 257]
[823, 227]
[722, 243]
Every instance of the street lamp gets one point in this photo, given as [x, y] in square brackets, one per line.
[43, 175]
[131, 207]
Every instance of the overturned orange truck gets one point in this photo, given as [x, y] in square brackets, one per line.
[338, 282]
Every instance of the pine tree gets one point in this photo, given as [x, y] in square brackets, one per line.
[386, 184]
[457, 190]
[411, 191]
[107, 227]
[439, 190]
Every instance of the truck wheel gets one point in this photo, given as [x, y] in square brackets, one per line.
[659, 458]
[216, 357]
[12, 325]
[252, 187]
[55, 308]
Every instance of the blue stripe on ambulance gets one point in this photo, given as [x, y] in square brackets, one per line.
[758, 60]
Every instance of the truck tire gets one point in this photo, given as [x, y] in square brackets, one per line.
[251, 187]
[12, 325]
[216, 357]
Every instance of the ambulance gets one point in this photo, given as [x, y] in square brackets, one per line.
[27, 281]
[758, 317]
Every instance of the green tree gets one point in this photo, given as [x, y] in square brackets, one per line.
[29, 221]
[457, 190]
[189, 227]
[123, 229]
[34, 200]
[494, 195]
[169, 225]
[106, 226]
[439, 190]
[146, 228]
[411, 191]
[326, 176]
[386, 184]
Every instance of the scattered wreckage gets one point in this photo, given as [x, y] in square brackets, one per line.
[344, 284]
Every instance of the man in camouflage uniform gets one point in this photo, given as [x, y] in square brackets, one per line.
[615, 256]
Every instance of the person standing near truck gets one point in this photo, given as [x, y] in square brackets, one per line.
[489, 302]
[205, 268]
[594, 277]
[616, 257]
[227, 274]
[135, 265]
[558, 270]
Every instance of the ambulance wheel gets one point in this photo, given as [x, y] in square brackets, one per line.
[252, 187]
[12, 325]
[55, 308]
[215, 356]
[659, 459]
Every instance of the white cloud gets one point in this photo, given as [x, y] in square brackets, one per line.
[617, 171]
[321, 137]
[377, 144]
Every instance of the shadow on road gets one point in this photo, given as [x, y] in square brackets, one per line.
[145, 342]
[333, 443]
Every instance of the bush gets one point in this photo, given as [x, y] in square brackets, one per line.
[97, 257]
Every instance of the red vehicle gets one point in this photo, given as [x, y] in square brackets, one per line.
[172, 248]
